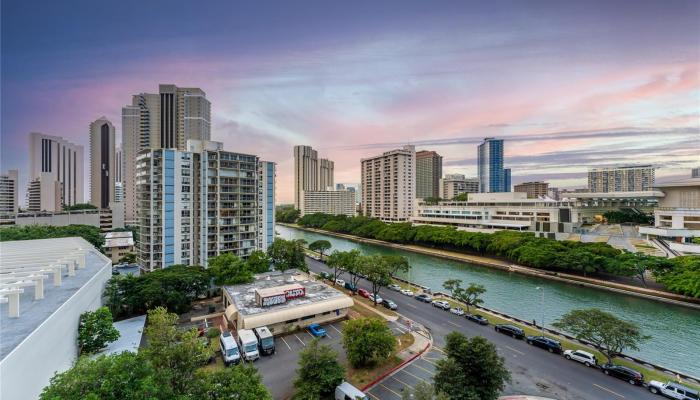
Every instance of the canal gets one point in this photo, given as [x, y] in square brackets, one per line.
[675, 330]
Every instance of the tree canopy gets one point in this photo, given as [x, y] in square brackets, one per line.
[229, 269]
[95, 330]
[288, 254]
[367, 341]
[240, 382]
[320, 246]
[30, 232]
[319, 372]
[79, 206]
[287, 214]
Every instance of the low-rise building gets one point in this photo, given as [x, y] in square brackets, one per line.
[43, 292]
[335, 202]
[455, 184]
[9, 186]
[283, 302]
[119, 244]
[533, 189]
[106, 220]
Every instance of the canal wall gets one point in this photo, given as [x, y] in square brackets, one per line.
[646, 293]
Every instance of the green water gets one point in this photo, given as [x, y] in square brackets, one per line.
[675, 330]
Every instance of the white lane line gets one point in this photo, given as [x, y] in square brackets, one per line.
[424, 369]
[425, 359]
[439, 349]
[329, 335]
[382, 385]
[285, 342]
[299, 339]
[608, 390]
[336, 329]
[452, 323]
[517, 351]
[309, 333]
[415, 376]
[412, 306]
[370, 393]
[401, 382]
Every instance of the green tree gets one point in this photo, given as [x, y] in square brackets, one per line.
[377, 271]
[288, 254]
[241, 382]
[128, 258]
[339, 260]
[354, 263]
[320, 246]
[79, 206]
[175, 353]
[471, 295]
[451, 285]
[367, 341]
[472, 370]
[30, 232]
[422, 391]
[95, 330]
[319, 371]
[228, 269]
[258, 262]
[124, 376]
[287, 214]
[681, 276]
[609, 334]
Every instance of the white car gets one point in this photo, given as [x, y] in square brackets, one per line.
[395, 287]
[372, 298]
[457, 311]
[673, 390]
[407, 292]
[340, 282]
[581, 356]
[441, 304]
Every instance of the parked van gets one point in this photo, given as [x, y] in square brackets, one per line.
[346, 391]
[229, 349]
[266, 342]
[249, 344]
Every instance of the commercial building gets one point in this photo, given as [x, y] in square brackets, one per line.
[283, 302]
[310, 173]
[493, 178]
[42, 295]
[428, 174]
[591, 206]
[388, 185]
[199, 203]
[9, 187]
[103, 166]
[267, 175]
[118, 244]
[677, 218]
[336, 202]
[455, 184]
[105, 219]
[57, 165]
[488, 212]
[625, 178]
[167, 119]
[533, 189]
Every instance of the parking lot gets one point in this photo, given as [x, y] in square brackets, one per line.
[421, 369]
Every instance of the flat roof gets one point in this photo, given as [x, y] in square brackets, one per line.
[27, 255]
[130, 333]
[614, 195]
[119, 239]
[243, 296]
[680, 183]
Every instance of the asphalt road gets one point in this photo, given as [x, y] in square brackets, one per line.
[534, 371]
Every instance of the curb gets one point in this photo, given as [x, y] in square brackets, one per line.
[396, 368]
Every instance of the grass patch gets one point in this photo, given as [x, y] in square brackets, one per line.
[359, 377]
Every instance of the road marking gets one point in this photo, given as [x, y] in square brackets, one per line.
[452, 323]
[285, 342]
[329, 335]
[517, 351]
[382, 385]
[370, 393]
[336, 329]
[424, 369]
[439, 349]
[300, 341]
[415, 376]
[425, 359]
[309, 333]
[401, 382]
[412, 306]
[608, 390]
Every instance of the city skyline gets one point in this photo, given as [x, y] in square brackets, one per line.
[568, 87]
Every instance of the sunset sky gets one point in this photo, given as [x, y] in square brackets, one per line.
[568, 86]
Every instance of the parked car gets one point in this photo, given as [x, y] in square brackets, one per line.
[389, 304]
[363, 293]
[349, 286]
[346, 391]
[479, 319]
[325, 275]
[581, 356]
[317, 330]
[407, 292]
[395, 287]
[424, 298]
[340, 282]
[543, 342]
[375, 298]
[626, 374]
[673, 390]
[457, 311]
[441, 304]
[510, 330]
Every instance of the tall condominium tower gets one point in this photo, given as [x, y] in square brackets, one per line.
[325, 174]
[428, 174]
[57, 165]
[102, 163]
[310, 173]
[388, 185]
[455, 184]
[9, 197]
[625, 178]
[267, 174]
[161, 120]
[492, 176]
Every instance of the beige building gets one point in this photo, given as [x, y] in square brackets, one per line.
[428, 174]
[44, 194]
[105, 219]
[310, 173]
[118, 244]
[388, 185]
[9, 187]
[455, 184]
[160, 120]
[102, 163]
[57, 165]
[533, 189]
[336, 202]
[325, 174]
[625, 178]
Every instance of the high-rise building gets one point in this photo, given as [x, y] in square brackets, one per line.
[53, 159]
[455, 184]
[428, 174]
[9, 186]
[102, 163]
[118, 164]
[267, 174]
[388, 185]
[493, 177]
[695, 172]
[625, 178]
[533, 189]
[310, 173]
[325, 174]
[44, 194]
[335, 202]
[199, 203]
[161, 120]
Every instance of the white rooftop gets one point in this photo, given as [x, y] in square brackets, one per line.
[119, 239]
[130, 333]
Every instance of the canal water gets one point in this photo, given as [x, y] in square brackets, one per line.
[675, 330]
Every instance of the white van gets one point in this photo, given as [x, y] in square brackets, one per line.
[249, 344]
[229, 349]
[346, 391]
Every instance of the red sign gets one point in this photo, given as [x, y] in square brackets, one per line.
[294, 293]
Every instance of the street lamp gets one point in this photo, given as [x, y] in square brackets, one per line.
[542, 307]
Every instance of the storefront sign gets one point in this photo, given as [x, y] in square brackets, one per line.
[279, 295]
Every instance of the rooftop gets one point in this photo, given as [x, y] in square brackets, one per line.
[130, 333]
[36, 278]
[244, 296]
[688, 182]
[119, 239]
